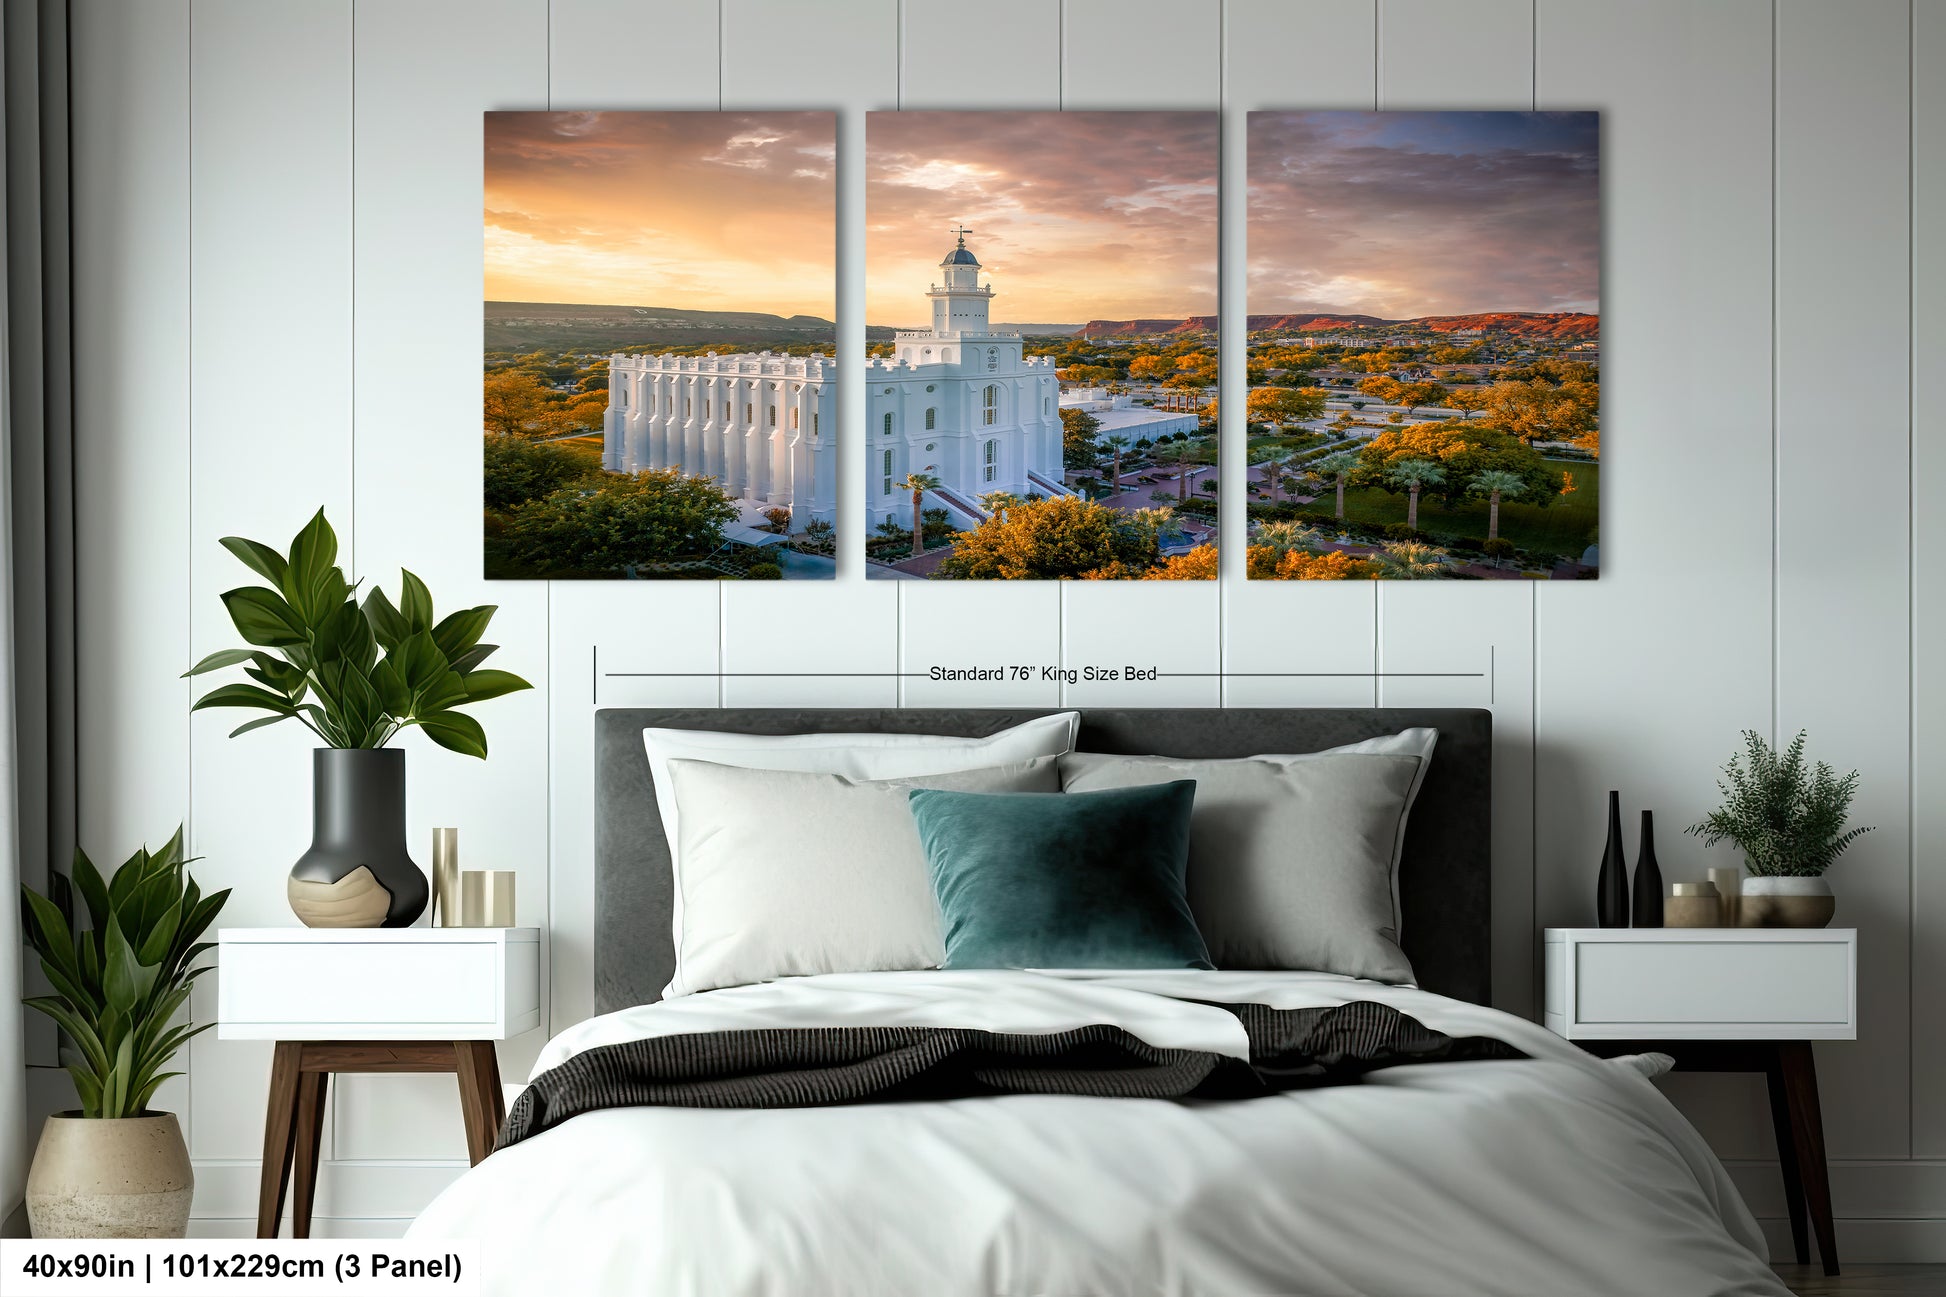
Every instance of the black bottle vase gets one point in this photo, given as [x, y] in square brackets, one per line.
[357, 873]
[1648, 878]
[1611, 887]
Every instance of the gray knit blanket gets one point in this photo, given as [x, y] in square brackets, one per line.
[824, 1066]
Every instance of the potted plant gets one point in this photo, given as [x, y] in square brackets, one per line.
[114, 1169]
[355, 676]
[1788, 818]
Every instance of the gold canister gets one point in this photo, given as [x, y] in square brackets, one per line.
[445, 878]
[1692, 905]
[1729, 888]
[486, 898]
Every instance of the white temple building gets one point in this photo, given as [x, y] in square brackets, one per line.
[958, 401]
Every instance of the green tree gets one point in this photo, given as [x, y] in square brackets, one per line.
[1054, 539]
[1464, 450]
[1414, 475]
[1117, 444]
[918, 484]
[624, 523]
[519, 469]
[1338, 467]
[1497, 484]
[1078, 429]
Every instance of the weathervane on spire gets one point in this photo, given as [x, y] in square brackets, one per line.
[962, 231]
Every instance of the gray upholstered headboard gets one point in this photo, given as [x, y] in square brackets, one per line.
[1444, 875]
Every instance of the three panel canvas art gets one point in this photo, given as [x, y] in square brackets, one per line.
[666, 396]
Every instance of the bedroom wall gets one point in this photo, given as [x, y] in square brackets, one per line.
[277, 307]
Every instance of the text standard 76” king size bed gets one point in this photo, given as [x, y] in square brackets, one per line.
[1528, 1167]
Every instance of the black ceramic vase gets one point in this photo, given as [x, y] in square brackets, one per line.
[1648, 878]
[357, 873]
[1611, 887]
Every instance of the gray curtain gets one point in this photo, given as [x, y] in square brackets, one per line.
[37, 686]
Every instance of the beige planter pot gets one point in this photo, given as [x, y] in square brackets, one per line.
[125, 1177]
[1785, 903]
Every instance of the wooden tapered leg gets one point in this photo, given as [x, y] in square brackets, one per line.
[1800, 1071]
[480, 1099]
[312, 1088]
[1780, 1121]
[279, 1119]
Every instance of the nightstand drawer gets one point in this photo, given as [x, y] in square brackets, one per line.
[1702, 983]
[1747, 981]
[377, 984]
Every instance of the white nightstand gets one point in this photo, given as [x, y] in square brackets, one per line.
[1721, 1000]
[370, 1000]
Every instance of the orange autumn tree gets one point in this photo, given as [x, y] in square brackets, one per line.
[1267, 563]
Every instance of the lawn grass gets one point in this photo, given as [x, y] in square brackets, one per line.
[1564, 526]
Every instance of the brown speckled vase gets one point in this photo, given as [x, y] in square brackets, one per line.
[1769, 902]
[121, 1177]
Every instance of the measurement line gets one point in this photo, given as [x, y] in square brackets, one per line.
[1164, 675]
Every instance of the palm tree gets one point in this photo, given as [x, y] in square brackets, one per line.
[995, 501]
[1286, 536]
[1273, 474]
[1409, 560]
[1118, 443]
[1182, 457]
[1497, 483]
[1415, 475]
[919, 484]
[1339, 467]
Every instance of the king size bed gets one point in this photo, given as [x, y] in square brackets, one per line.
[743, 1118]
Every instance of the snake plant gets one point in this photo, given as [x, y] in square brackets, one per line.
[120, 979]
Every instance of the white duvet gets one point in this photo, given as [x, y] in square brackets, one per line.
[1560, 1176]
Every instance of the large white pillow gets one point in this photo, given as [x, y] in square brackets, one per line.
[856, 756]
[788, 873]
[1294, 859]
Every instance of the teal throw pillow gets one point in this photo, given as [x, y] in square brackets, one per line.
[1062, 880]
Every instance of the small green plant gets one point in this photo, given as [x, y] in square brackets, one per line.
[354, 676]
[1786, 816]
[120, 979]
[763, 572]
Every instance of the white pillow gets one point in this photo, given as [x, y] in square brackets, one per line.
[1289, 858]
[788, 873]
[856, 756]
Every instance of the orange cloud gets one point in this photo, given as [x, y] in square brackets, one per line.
[1076, 215]
[691, 210]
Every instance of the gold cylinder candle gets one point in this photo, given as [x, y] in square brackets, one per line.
[445, 878]
[1729, 888]
[1692, 905]
[486, 898]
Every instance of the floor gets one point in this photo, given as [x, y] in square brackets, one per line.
[1867, 1281]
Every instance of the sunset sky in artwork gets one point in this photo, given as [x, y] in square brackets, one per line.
[1075, 216]
[695, 211]
[1402, 214]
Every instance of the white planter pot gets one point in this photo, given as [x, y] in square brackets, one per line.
[1785, 902]
[124, 1177]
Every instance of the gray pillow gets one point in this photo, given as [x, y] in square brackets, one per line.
[1290, 857]
[789, 872]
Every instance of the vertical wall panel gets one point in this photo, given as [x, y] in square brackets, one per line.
[1843, 597]
[270, 187]
[1142, 53]
[947, 64]
[130, 125]
[1273, 630]
[1435, 54]
[425, 71]
[1473, 56]
[595, 61]
[1928, 1023]
[613, 54]
[1644, 678]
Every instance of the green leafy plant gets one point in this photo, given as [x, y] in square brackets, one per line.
[1786, 816]
[120, 979]
[354, 675]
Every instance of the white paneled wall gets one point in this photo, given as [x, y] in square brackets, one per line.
[277, 308]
